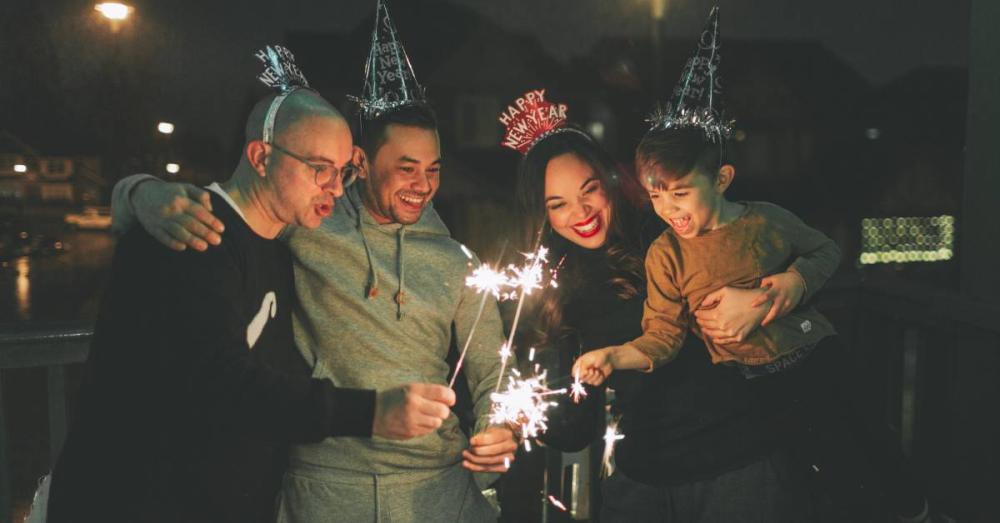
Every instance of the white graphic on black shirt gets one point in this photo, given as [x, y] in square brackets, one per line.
[268, 307]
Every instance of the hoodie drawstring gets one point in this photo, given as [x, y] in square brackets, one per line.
[372, 288]
[401, 267]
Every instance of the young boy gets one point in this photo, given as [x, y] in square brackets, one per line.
[714, 243]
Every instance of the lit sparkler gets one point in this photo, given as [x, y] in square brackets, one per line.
[486, 281]
[611, 436]
[576, 390]
[525, 279]
[523, 404]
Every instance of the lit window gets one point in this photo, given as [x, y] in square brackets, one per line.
[907, 239]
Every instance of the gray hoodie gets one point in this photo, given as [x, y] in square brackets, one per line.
[348, 274]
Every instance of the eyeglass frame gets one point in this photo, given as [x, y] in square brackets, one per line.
[320, 168]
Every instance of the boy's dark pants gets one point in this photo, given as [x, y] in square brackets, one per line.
[857, 470]
[771, 489]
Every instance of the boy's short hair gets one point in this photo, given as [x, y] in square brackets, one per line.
[666, 155]
[373, 131]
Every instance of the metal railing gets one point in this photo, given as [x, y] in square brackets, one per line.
[51, 347]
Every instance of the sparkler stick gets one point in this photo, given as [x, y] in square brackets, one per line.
[486, 281]
[527, 279]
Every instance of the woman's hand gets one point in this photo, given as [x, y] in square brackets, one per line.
[784, 290]
[729, 315]
[178, 215]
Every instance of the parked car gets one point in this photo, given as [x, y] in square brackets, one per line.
[97, 218]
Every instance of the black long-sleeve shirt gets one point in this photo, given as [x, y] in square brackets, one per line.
[194, 389]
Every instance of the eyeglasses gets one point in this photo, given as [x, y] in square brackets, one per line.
[326, 172]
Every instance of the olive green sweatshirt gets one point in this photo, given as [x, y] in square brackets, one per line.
[763, 241]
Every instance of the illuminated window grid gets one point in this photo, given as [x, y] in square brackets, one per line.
[907, 239]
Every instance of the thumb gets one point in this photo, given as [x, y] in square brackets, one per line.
[764, 297]
[201, 196]
[711, 300]
[432, 392]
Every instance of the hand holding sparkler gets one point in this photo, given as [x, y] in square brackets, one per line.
[492, 450]
[595, 366]
[411, 410]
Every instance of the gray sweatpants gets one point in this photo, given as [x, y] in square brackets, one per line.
[311, 494]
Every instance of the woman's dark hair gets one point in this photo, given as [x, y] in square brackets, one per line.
[623, 253]
[666, 155]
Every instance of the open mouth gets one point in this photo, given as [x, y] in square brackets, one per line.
[681, 225]
[589, 227]
[324, 209]
[412, 201]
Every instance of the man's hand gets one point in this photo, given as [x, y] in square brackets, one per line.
[595, 366]
[785, 291]
[178, 215]
[411, 410]
[490, 451]
[729, 315]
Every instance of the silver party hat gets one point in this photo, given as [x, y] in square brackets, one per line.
[697, 98]
[389, 79]
[281, 74]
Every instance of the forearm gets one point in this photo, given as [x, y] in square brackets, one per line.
[255, 397]
[122, 213]
[631, 357]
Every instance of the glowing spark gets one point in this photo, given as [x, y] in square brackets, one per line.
[576, 390]
[556, 503]
[611, 436]
[486, 281]
[523, 404]
[531, 354]
[506, 462]
[526, 278]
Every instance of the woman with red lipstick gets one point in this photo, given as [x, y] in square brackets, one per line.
[691, 428]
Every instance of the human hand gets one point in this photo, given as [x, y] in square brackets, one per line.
[491, 450]
[411, 410]
[729, 315]
[595, 366]
[178, 215]
[784, 290]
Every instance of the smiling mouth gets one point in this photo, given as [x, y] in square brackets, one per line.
[680, 225]
[413, 201]
[589, 227]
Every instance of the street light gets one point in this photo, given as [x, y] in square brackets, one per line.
[114, 11]
[173, 168]
[165, 127]
[20, 168]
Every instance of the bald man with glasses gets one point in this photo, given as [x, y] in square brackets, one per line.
[194, 389]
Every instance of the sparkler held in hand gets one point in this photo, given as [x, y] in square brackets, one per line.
[486, 281]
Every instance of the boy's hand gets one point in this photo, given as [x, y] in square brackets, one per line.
[784, 290]
[178, 215]
[411, 410]
[595, 366]
[729, 315]
[490, 451]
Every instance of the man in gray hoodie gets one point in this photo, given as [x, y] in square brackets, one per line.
[381, 292]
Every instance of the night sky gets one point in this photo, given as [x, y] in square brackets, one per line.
[198, 46]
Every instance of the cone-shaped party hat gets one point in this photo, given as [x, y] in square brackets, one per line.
[389, 79]
[697, 98]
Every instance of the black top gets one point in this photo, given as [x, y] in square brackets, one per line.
[689, 420]
[194, 389]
